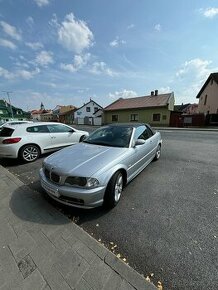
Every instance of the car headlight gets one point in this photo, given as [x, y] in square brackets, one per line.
[82, 181]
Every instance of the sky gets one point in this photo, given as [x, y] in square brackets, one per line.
[66, 52]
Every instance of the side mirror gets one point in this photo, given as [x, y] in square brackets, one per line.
[140, 142]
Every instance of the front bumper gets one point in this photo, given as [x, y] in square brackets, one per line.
[73, 196]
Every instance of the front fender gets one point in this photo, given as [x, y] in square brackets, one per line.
[106, 176]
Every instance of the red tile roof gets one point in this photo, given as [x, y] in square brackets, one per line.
[161, 100]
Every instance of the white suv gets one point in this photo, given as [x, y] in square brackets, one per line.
[28, 141]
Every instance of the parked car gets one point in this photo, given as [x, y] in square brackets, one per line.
[94, 172]
[13, 123]
[29, 141]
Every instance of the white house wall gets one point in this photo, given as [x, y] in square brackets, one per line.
[82, 113]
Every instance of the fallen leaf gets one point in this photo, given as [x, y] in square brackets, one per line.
[152, 274]
[97, 225]
[99, 240]
[159, 285]
[124, 259]
[148, 279]
[118, 255]
[111, 243]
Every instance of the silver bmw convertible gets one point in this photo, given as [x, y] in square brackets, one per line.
[93, 173]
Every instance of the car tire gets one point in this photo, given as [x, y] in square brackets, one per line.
[114, 190]
[158, 153]
[29, 153]
[82, 138]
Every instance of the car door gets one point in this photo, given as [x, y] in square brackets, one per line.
[62, 135]
[39, 134]
[141, 154]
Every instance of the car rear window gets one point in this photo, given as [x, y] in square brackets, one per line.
[6, 132]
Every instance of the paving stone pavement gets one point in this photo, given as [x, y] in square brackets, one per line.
[40, 248]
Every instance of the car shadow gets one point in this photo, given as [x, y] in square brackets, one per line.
[32, 195]
[30, 206]
[77, 215]
[10, 162]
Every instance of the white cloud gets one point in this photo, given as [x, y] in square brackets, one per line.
[30, 21]
[24, 74]
[158, 27]
[5, 73]
[10, 30]
[123, 94]
[164, 90]
[210, 12]
[191, 76]
[117, 42]
[131, 26]
[42, 3]
[74, 34]
[34, 45]
[44, 58]
[7, 43]
[197, 67]
[101, 68]
[78, 62]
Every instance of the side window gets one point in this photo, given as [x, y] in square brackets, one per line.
[59, 128]
[88, 109]
[134, 117]
[37, 129]
[114, 118]
[143, 132]
[156, 117]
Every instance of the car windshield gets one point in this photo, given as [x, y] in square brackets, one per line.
[114, 136]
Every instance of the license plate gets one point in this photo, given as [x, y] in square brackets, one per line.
[50, 190]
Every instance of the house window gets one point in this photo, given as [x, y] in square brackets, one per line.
[205, 100]
[95, 109]
[114, 118]
[164, 117]
[88, 109]
[134, 117]
[156, 117]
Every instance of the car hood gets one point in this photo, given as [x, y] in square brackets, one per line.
[83, 159]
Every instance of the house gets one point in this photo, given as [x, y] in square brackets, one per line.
[186, 108]
[67, 117]
[186, 115]
[208, 96]
[89, 114]
[61, 110]
[37, 114]
[154, 109]
[9, 112]
[47, 116]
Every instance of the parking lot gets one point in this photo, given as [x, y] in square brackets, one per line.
[166, 222]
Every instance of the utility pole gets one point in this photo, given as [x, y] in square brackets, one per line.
[8, 95]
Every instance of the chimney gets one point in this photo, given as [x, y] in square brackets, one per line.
[152, 93]
[156, 92]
